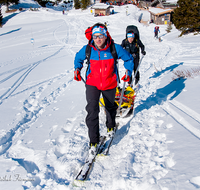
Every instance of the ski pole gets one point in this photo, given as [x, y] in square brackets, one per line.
[99, 100]
[137, 69]
[122, 93]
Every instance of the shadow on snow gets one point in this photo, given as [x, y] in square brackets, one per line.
[5, 19]
[161, 95]
[170, 68]
[157, 98]
[10, 32]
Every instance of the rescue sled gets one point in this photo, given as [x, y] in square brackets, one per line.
[127, 105]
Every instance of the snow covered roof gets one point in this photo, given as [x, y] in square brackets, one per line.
[166, 3]
[159, 11]
[171, 1]
[101, 6]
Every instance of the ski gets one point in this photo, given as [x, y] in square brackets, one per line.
[85, 169]
[102, 149]
[107, 143]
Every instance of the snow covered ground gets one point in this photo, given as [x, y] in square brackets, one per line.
[42, 122]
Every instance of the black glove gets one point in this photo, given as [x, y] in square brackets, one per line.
[143, 52]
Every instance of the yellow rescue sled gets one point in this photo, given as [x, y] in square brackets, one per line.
[127, 104]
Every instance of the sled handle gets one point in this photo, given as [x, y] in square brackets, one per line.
[137, 70]
[122, 93]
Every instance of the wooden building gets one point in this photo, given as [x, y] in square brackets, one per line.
[101, 9]
[160, 16]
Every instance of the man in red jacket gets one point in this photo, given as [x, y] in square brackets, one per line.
[101, 77]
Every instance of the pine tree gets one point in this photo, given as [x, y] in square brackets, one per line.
[85, 3]
[169, 27]
[186, 17]
[77, 4]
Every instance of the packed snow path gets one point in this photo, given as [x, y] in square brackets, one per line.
[43, 134]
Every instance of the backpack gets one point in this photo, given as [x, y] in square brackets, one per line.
[157, 28]
[134, 29]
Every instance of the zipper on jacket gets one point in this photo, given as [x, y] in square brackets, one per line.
[100, 68]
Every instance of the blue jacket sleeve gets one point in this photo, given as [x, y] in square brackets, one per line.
[126, 57]
[79, 58]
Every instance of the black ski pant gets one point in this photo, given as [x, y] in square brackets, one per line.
[92, 108]
[156, 34]
[136, 63]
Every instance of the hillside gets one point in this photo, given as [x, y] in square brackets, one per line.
[43, 135]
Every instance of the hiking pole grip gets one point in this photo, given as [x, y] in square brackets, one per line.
[137, 69]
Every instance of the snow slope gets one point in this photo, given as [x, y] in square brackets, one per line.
[43, 135]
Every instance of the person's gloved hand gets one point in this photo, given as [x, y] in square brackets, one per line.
[77, 75]
[125, 78]
[143, 52]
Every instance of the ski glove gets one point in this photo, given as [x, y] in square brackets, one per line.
[125, 78]
[143, 52]
[77, 75]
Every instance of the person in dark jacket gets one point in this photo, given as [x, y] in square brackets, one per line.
[132, 45]
[156, 30]
[101, 78]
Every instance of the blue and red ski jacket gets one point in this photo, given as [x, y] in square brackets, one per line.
[102, 70]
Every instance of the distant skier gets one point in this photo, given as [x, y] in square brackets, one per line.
[101, 78]
[156, 30]
[132, 45]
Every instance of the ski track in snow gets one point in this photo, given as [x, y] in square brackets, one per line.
[20, 80]
[34, 107]
[187, 111]
[31, 106]
[142, 162]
